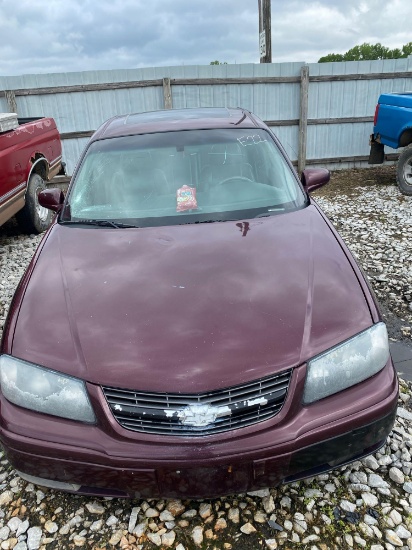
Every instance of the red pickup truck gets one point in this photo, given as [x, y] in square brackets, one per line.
[30, 155]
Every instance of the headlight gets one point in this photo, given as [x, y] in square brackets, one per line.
[347, 364]
[43, 390]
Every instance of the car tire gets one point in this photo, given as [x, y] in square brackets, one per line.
[34, 218]
[404, 171]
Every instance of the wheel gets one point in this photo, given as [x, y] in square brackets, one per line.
[404, 171]
[34, 218]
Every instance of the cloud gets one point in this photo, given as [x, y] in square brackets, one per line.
[74, 35]
[79, 35]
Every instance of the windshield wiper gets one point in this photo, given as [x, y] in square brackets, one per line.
[270, 212]
[99, 223]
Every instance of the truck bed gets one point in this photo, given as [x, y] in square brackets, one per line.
[403, 99]
[394, 119]
[28, 132]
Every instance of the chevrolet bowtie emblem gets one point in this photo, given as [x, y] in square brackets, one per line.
[201, 415]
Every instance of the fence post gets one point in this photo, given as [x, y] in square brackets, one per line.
[303, 118]
[11, 101]
[167, 94]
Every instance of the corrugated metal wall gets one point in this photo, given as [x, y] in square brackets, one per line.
[86, 110]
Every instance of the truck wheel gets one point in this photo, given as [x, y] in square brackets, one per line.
[34, 218]
[404, 171]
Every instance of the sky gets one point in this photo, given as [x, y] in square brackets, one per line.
[47, 36]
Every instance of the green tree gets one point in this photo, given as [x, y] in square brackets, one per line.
[368, 51]
[331, 57]
[407, 49]
[216, 62]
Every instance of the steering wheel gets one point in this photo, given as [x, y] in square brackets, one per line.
[234, 178]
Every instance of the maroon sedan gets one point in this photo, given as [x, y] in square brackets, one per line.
[191, 324]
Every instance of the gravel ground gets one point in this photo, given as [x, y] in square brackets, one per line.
[375, 220]
[367, 504]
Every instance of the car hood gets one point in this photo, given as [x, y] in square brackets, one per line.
[189, 308]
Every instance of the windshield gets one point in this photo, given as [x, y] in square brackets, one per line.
[188, 176]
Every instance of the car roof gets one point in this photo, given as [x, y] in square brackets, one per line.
[176, 119]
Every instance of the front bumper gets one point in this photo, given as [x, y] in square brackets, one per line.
[204, 481]
[298, 442]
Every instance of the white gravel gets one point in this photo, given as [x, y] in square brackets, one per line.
[376, 223]
[367, 504]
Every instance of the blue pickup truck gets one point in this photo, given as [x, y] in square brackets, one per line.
[393, 127]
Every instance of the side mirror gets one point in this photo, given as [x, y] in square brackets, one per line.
[313, 178]
[51, 198]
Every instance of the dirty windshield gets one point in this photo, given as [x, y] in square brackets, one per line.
[183, 177]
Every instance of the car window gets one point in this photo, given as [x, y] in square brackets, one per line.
[187, 176]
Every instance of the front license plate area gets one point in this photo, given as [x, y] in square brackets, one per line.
[204, 482]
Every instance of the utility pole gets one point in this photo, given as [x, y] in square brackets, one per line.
[265, 36]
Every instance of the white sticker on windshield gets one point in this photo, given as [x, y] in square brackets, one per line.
[251, 140]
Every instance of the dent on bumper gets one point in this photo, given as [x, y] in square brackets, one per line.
[203, 481]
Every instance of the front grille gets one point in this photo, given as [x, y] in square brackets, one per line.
[199, 414]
